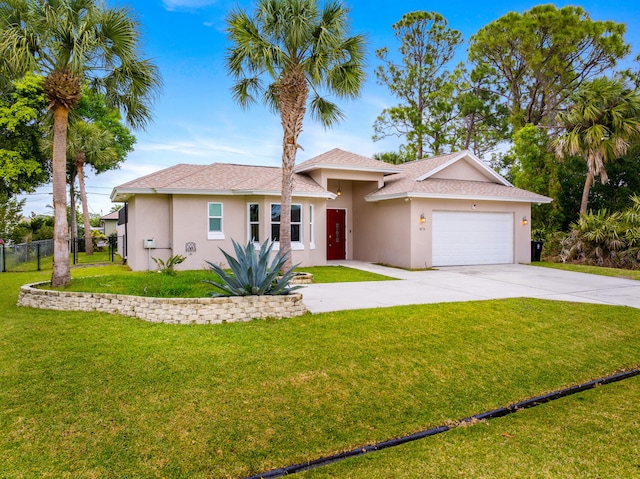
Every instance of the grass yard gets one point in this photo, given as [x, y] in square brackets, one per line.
[601, 270]
[342, 274]
[592, 434]
[95, 395]
[188, 284]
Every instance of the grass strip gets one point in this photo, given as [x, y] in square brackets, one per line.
[600, 270]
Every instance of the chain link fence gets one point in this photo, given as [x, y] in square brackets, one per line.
[38, 255]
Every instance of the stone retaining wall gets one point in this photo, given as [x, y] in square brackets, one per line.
[166, 310]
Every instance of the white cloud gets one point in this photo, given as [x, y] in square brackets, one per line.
[186, 4]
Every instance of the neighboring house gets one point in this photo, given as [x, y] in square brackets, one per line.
[447, 210]
[109, 223]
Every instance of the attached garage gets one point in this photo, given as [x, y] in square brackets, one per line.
[467, 238]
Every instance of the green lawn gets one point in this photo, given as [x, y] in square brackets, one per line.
[592, 434]
[95, 395]
[601, 270]
[342, 274]
[189, 284]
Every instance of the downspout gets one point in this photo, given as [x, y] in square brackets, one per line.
[125, 243]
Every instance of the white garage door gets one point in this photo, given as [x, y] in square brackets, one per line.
[464, 238]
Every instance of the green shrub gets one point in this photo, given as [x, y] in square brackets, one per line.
[251, 273]
[603, 239]
[169, 266]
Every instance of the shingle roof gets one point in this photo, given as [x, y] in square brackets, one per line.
[223, 178]
[405, 184]
[114, 215]
[401, 180]
[344, 160]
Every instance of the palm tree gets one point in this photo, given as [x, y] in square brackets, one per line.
[287, 53]
[70, 42]
[89, 143]
[599, 125]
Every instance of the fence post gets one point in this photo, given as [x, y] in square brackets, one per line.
[38, 254]
[4, 259]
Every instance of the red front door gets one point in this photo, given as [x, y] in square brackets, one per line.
[336, 241]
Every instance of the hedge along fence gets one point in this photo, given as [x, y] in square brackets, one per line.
[166, 310]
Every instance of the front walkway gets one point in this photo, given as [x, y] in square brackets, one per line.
[468, 283]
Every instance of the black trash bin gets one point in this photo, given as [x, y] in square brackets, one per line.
[536, 250]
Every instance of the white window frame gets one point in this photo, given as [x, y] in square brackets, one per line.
[251, 223]
[295, 245]
[312, 244]
[215, 235]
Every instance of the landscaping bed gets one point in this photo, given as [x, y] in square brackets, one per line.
[166, 310]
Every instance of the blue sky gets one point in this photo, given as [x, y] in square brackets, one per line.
[196, 120]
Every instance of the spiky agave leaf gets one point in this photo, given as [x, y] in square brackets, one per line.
[252, 273]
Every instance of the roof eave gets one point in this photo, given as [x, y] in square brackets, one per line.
[325, 166]
[125, 193]
[403, 195]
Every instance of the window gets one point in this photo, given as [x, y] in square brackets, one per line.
[215, 221]
[296, 223]
[254, 222]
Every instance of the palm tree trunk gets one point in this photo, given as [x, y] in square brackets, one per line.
[292, 95]
[88, 240]
[72, 205]
[585, 192]
[61, 269]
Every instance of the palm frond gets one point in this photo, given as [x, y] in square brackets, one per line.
[325, 112]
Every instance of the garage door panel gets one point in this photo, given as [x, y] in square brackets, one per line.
[465, 238]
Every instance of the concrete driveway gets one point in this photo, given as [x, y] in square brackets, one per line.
[469, 283]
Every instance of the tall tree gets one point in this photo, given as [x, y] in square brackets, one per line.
[70, 42]
[541, 56]
[602, 120]
[422, 84]
[97, 138]
[10, 215]
[483, 118]
[533, 167]
[92, 144]
[23, 165]
[280, 53]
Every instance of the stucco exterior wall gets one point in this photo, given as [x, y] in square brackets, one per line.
[323, 176]
[149, 218]
[390, 232]
[110, 226]
[381, 230]
[175, 221]
[461, 170]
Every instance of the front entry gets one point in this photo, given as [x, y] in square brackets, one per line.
[336, 241]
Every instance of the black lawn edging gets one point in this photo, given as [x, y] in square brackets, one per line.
[500, 412]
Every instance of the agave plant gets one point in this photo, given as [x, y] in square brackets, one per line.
[251, 273]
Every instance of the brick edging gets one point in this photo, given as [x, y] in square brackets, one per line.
[166, 310]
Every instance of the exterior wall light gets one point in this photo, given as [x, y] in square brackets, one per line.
[525, 221]
[339, 192]
[423, 220]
